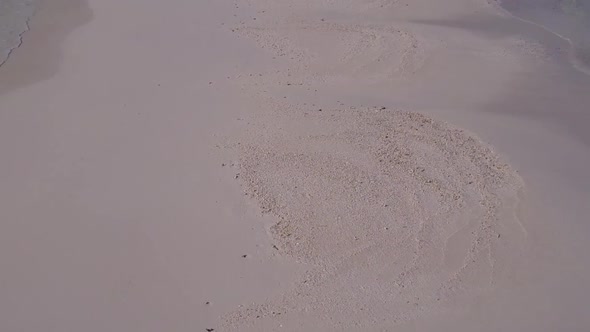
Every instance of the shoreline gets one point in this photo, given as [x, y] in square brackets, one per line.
[19, 39]
[48, 28]
[573, 57]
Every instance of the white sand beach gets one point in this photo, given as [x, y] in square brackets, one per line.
[258, 165]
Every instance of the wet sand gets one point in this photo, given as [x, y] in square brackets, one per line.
[278, 165]
[569, 19]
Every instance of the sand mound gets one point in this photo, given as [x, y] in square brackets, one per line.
[395, 211]
[328, 52]
[354, 6]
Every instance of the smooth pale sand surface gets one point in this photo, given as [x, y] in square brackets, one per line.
[116, 213]
[382, 166]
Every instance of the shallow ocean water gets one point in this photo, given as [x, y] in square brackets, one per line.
[14, 16]
[568, 18]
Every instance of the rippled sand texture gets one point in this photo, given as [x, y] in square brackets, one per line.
[396, 214]
[356, 6]
[346, 53]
